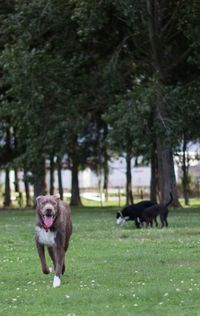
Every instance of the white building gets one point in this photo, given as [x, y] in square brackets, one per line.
[88, 179]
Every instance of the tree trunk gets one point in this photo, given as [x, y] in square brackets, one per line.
[52, 165]
[105, 161]
[185, 169]
[59, 169]
[129, 193]
[106, 173]
[166, 174]
[7, 195]
[154, 174]
[75, 192]
[27, 189]
[39, 180]
[16, 183]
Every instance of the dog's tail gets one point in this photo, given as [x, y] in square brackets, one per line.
[171, 199]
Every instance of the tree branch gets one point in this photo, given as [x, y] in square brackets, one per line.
[180, 59]
[170, 23]
[151, 29]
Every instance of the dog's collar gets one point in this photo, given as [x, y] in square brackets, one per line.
[45, 227]
[125, 218]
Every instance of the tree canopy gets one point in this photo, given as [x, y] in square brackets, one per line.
[84, 80]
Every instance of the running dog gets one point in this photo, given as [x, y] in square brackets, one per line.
[150, 214]
[133, 212]
[53, 229]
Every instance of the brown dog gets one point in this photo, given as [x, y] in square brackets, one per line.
[53, 229]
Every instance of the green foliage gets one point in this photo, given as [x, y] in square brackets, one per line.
[128, 120]
[189, 24]
[69, 66]
[183, 106]
[44, 76]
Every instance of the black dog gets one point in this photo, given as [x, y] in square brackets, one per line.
[133, 212]
[150, 214]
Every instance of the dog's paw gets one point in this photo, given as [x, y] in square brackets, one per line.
[50, 269]
[56, 281]
[46, 270]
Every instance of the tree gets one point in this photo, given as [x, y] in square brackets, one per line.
[184, 102]
[39, 72]
[127, 123]
[64, 70]
[170, 51]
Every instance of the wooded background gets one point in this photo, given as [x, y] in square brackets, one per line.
[82, 81]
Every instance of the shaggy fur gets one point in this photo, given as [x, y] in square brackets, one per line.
[53, 230]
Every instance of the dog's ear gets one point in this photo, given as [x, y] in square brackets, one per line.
[57, 196]
[38, 198]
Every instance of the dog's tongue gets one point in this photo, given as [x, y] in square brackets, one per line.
[48, 221]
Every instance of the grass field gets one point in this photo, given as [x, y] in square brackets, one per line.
[111, 270]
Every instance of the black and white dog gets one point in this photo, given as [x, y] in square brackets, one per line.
[133, 212]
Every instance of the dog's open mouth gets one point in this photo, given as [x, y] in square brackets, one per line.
[48, 220]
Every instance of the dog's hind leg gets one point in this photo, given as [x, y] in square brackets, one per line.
[162, 221]
[151, 222]
[66, 247]
[63, 268]
[166, 214]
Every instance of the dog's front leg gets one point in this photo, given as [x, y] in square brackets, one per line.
[60, 255]
[52, 256]
[137, 223]
[41, 253]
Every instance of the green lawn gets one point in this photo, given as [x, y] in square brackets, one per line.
[111, 270]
